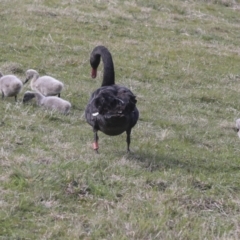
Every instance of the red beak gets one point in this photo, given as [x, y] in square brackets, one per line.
[94, 73]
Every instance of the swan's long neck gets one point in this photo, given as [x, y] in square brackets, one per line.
[39, 98]
[34, 79]
[108, 75]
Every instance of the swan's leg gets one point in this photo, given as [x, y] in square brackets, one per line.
[95, 143]
[59, 95]
[128, 139]
[15, 98]
[2, 95]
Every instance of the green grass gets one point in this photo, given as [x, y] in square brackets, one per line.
[181, 179]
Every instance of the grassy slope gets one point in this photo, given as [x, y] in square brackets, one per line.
[181, 181]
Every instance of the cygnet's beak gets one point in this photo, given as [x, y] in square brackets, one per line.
[25, 81]
[238, 133]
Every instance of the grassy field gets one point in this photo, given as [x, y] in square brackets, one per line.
[181, 179]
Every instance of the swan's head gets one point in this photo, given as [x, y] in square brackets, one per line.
[94, 62]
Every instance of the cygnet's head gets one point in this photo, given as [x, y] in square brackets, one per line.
[28, 96]
[29, 74]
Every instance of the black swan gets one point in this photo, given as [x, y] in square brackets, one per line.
[111, 108]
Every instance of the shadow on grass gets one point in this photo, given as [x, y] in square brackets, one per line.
[160, 162]
[153, 162]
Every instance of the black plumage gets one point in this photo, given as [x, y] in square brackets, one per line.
[111, 108]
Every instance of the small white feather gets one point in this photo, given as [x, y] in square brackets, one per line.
[95, 114]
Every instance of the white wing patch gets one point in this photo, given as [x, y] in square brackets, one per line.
[95, 114]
